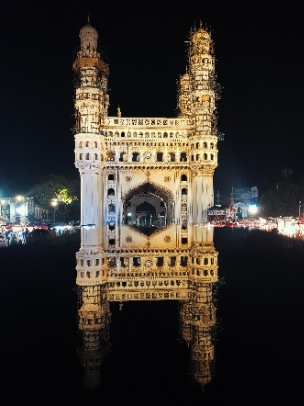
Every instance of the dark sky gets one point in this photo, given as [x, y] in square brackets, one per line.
[260, 65]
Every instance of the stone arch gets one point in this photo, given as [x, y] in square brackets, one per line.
[148, 206]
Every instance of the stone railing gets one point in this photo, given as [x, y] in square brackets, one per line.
[146, 122]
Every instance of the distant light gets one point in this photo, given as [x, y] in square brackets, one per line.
[21, 210]
[252, 209]
[54, 202]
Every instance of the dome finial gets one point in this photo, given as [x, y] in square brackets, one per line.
[88, 19]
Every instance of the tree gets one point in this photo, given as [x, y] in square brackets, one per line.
[283, 199]
[65, 190]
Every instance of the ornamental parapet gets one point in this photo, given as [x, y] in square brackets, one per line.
[123, 296]
[146, 122]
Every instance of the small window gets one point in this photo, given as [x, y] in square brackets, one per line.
[184, 178]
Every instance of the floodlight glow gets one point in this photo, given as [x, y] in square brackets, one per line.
[252, 209]
[21, 210]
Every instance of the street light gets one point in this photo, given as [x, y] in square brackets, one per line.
[54, 203]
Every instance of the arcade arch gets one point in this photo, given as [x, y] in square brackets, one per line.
[148, 206]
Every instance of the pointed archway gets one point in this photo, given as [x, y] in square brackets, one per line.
[148, 207]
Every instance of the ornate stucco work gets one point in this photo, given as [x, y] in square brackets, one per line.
[146, 186]
[118, 156]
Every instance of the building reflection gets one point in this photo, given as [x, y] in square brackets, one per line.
[171, 264]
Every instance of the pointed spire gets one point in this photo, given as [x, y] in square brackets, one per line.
[88, 20]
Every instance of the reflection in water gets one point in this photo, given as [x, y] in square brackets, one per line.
[171, 264]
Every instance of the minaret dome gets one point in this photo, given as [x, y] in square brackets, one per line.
[88, 40]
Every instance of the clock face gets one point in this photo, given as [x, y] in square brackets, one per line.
[148, 263]
[147, 154]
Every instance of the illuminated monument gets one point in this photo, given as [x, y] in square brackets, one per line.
[146, 186]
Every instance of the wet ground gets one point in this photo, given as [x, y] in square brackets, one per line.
[258, 348]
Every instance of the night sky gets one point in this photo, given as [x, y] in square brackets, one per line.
[259, 65]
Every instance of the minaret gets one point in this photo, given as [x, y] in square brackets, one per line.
[94, 321]
[202, 277]
[91, 106]
[198, 316]
[197, 97]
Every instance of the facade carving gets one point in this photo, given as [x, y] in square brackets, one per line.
[146, 187]
[118, 156]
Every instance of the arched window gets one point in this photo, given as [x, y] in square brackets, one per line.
[183, 261]
[172, 156]
[184, 191]
[183, 157]
[111, 192]
[87, 157]
[205, 145]
[159, 156]
[80, 144]
[136, 261]
[205, 157]
[159, 261]
[184, 178]
[95, 144]
[87, 143]
[111, 176]
[135, 157]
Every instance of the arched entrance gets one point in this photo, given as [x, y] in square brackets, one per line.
[148, 207]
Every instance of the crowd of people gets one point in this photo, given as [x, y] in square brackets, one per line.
[9, 236]
[20, 235]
